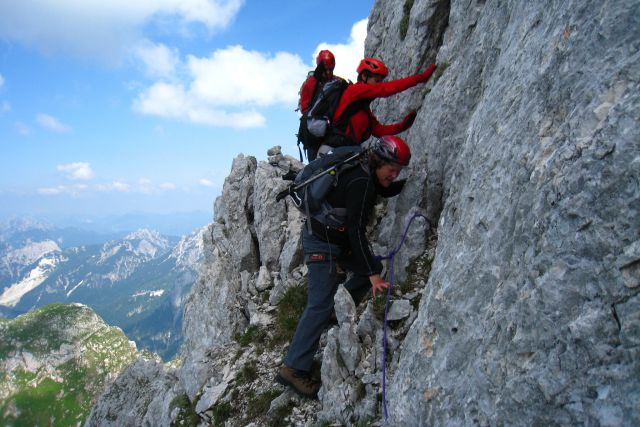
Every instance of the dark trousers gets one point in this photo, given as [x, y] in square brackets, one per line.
[321, 288]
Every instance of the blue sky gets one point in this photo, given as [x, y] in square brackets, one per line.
[112, 107]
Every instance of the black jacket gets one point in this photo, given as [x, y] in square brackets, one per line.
[356, 191]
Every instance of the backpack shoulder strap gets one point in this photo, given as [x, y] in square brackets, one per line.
[342, 122]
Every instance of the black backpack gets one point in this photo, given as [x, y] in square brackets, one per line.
[316, 126]
[312, 184]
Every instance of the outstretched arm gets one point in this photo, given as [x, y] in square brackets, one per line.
[378, 129]
[391, 87]
[359, 91]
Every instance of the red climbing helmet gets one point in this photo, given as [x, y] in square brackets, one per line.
[327, 58]
[393, 149]
[374, 66]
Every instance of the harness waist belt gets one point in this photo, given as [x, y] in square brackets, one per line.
[329, 234]
[319, 257]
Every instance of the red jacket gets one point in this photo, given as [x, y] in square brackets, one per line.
[363, 123]
[307, 90]
[306, 93]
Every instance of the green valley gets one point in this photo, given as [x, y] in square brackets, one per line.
[54, 362]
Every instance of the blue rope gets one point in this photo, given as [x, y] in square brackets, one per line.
[391, 258]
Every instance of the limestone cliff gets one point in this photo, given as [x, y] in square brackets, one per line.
[528, 157]
[516, 303]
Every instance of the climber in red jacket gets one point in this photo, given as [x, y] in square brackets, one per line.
[353, 120]
[323, 73]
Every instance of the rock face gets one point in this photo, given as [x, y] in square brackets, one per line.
[527, 153]
[516, 302]
[147, 400]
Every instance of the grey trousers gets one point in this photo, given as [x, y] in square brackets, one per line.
[321, 288]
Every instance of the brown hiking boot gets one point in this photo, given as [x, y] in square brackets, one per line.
[301, 381]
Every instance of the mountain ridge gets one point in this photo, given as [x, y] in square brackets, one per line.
[59, 358]
[125, 280]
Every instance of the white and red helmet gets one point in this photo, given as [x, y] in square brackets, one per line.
[392, 148]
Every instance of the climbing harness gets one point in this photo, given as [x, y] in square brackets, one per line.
[391, 257]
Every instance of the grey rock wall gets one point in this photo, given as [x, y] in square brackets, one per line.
[527, 155]
[141, 395]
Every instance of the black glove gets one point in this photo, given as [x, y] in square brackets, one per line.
[290, 176]
[408, 120]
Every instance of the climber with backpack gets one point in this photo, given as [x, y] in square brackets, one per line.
[350, 121]
[325, 64]
[337, 239]
[310, 91]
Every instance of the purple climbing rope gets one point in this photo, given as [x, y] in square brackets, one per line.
[391, 257]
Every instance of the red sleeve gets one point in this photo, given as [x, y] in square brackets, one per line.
[384, 89]
[360, 91]
[378, 129]
[306, 93]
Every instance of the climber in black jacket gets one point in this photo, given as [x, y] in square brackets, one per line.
[326, 248]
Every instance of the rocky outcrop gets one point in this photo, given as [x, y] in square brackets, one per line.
[516, 301]
[61, 356]
[144, 394]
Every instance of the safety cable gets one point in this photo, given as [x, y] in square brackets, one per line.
[391, 258]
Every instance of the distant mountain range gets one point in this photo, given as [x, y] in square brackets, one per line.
[86, 228]
[137, 281]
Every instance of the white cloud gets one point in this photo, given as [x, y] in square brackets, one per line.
[235, 76]
[230, 79]
[145, 185]
[51, 123]
[228, 87]
[167, 186]
[206, 183]
[119, 186]
[348, 55]
[5, 108]
[1, 80]
[159, 61]
[104, 29]
[173, 101]
[51, 191]
[78, 170]
[73, 190]
[142, 186]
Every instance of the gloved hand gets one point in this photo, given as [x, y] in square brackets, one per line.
[408, 120]
[427, 73]
[290, 176]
